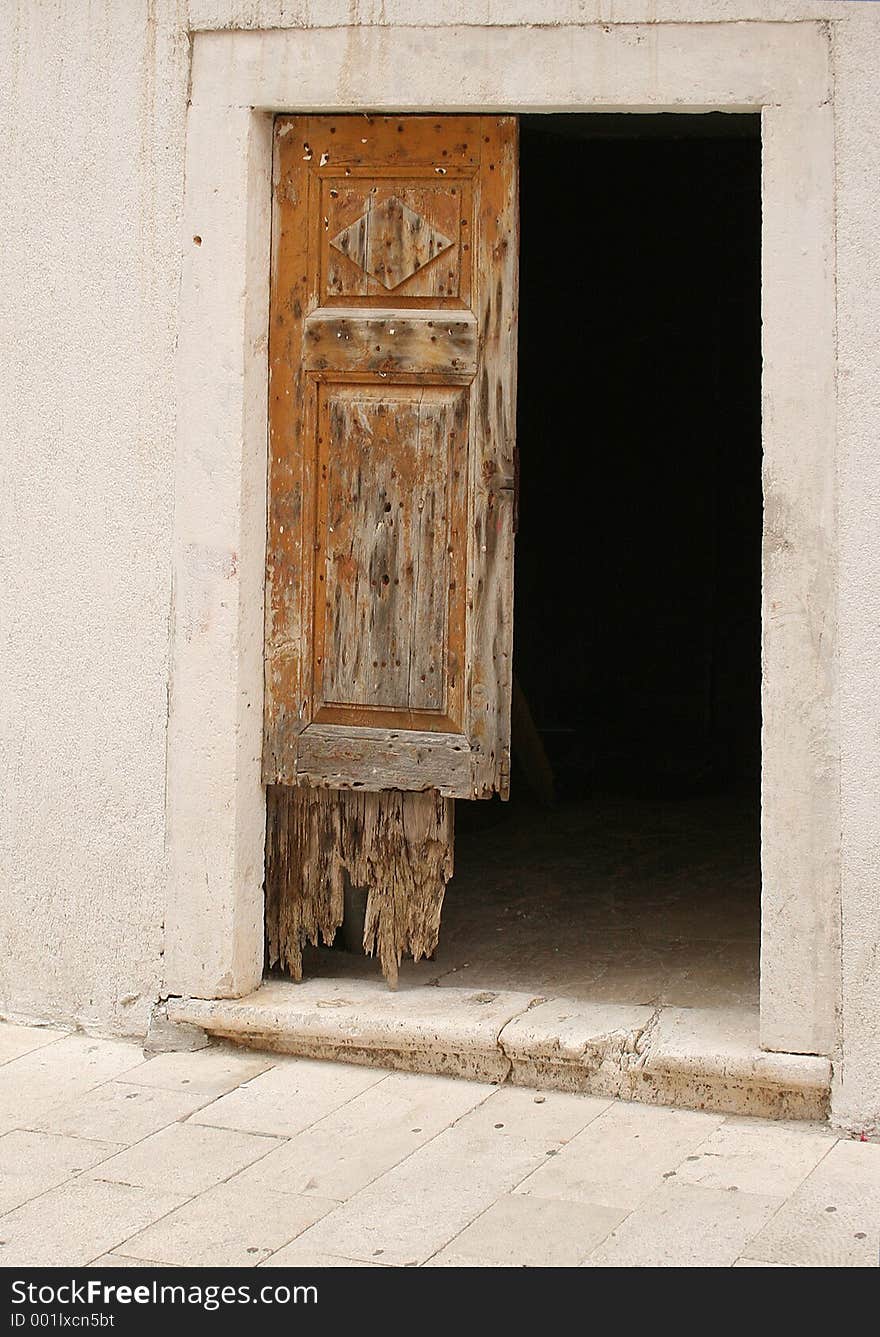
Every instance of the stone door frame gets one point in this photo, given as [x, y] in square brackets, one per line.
[239, 81]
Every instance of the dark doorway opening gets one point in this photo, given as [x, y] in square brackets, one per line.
[638, 569]
[638, 576]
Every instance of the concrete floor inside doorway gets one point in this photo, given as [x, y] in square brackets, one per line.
[615, 900]
[573, 956]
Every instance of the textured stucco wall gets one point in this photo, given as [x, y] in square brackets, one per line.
[91, 184]
[94, 116]
[857, 119]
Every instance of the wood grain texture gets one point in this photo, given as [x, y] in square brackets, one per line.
[304, 872]
[389, 634]
[490, 589]
[390, 241]
[388, 341]
[392, 412]
[345, 757]
[397, 846]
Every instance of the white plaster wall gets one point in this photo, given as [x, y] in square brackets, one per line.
[93, 110]
[857, 117]
[91, 181]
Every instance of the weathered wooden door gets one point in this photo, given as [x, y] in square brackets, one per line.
[392, 418]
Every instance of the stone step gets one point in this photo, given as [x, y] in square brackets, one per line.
[696, 1058]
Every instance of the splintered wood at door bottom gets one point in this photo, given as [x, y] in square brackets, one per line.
[397, 845]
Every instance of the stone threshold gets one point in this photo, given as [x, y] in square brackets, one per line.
[696, 1058]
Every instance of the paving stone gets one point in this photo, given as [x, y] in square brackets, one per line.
[432, 1171]
[754, 1158]
[71, 1225]
[289, 1097]
[368, 1135]
[210, 1071]
[45, 1077]
[552, 1119]
[447, 1259]
[622, 1156]
[31, 1163]
[524, 1231]
[18, 1040]
[110, 1260]
[756, 1262]
[121, 1112]
[185, 1158]
[412, 1211]
[294, 1255]
[682, 1225]
[236, 1224]
[833, 1219]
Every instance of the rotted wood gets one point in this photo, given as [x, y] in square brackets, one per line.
[399, 846]
[343, 758]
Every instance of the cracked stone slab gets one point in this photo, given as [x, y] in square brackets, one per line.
[715, 1051]
[694, 1058]
[417, 1029]
[565, 1045]
[171, 1037]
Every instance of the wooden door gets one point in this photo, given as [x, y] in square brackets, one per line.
[391, 479]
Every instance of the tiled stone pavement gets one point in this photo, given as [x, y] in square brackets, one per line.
[224, 1157]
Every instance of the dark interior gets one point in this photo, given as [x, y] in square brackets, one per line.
[637, 625]
[638, 552]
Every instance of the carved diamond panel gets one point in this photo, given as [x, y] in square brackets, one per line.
[391, 242]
